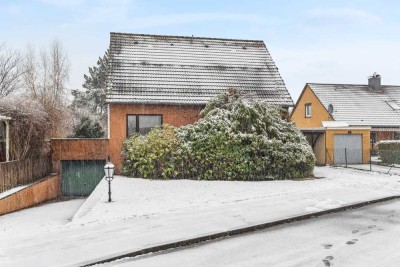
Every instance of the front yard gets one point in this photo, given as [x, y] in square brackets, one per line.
[146, 213]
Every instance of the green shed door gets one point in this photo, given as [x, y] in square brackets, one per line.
[80, 177]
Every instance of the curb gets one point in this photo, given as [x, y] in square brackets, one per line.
[239, 231]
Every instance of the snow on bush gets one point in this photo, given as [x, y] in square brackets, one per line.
[237, 139]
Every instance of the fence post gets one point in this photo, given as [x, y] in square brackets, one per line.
[345, 156]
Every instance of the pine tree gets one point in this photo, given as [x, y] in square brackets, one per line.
[93, 99]
[88, 128]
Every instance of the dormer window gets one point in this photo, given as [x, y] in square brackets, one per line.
[308, 110]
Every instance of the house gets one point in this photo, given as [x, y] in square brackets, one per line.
[156, 79]
[347, 109]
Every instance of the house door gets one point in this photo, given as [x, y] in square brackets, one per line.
[348, 147]
[80, 177]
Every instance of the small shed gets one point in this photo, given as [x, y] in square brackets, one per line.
[4, 138]
[338, 143]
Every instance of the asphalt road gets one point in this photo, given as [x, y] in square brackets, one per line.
[365, 237]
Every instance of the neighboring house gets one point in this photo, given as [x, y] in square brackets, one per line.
[360, 107]
[158, 79]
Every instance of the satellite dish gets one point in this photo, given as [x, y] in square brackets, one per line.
[330, 108]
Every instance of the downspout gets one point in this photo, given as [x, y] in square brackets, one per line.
[108, 121]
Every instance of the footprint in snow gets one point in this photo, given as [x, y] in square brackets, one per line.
[372, 226]
[327, 260]
[327, 246]
[351, 242]
[354, 231]
[366, 233]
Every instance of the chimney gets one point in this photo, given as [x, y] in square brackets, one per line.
[375, 82]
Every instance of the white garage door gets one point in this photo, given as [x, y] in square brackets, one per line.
[348, 147]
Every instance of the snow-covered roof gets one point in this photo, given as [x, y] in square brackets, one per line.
[360, 105]
[3, 118]
[161, 69]
[335, 124]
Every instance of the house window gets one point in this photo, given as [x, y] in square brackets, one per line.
[142, 124]
[308, 110]
[396, 136]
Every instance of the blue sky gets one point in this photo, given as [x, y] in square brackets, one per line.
[310, 40]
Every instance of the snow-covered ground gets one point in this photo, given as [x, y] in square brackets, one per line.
[377, 168]
[39, 219]
[364, 237]
[147, 213]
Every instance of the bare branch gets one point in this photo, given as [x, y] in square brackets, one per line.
[11, 70]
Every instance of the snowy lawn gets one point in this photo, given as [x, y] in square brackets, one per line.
[332, 188]
[147, 213]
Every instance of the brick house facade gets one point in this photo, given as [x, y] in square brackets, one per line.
[176, 115]
[155, 80]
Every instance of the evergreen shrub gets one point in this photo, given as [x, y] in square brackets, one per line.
[236, 139]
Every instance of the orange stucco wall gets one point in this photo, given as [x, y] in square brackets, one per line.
[330, 139]
[176, 115]
[318, 111]
[47, 189]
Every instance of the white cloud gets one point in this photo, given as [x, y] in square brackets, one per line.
[347, 14]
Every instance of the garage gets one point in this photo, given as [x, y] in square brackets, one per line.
[80, 177]
[348, 149]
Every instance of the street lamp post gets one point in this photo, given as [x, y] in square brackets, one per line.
[109, 171]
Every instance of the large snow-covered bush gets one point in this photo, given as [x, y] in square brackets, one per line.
[236, 139]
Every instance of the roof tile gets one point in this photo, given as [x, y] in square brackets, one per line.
[190, 70]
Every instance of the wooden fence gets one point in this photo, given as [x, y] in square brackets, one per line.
[19, 172]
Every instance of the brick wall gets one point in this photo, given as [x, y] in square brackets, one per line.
[176, 115]
[44, 190]
[78, 149]
[385, 136]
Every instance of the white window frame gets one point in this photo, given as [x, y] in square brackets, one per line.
[308, 110]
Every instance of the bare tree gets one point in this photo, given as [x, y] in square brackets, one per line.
[10, 71]
[45, 77]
